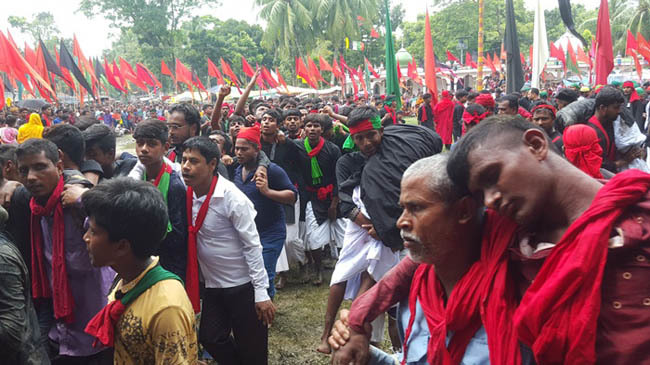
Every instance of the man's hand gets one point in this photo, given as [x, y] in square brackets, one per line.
[227, 160]
[340, 332]
[250, 118]
[371, 230]
[262, 182]
[224, 91]
[71, 194]
[350, 347]
[328, 110]
[7, 191]
[332, 211]
[265, 311]
[261, 170]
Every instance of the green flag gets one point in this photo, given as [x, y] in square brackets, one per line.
[392, 82]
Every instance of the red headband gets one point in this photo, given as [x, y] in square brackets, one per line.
[474, 118]
[313, 111]
[628, 84]
[364, 125]
[546, 106]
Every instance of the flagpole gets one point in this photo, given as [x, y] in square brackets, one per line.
[479, 70]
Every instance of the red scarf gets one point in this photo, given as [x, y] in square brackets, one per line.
[172, 156]
[192, 271]
[483, 296]
[392, 113]
[425, 115]
[558, 315]
[61, 293]
[316, 150]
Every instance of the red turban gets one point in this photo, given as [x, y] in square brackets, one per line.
[628, 84]
[634, 96]
[581, 148]
[252, 134]
[486, 100]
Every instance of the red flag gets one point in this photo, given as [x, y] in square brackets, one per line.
[344, 66]
[129, 74]
[604, 50]
[281, 79]
[165, 70]
[643, 48]
[523, 59]
[260, 80]
[355, 87]
[451, 57]
[336, 70]
[301, 70]
[183, 75]
[82, 61]
[324, 66]
[314, 72]
[363, 83]
[225, 67]
[572, 54]
[268, 78]
[371, 69]
[197, 82]
[468, 59]
[430, 62]
[490, 64]
[582, 56]
[503, 55]
[16, 64]
[153, 77]
[214, 72]
[631, 43]
[246, 67]
[637, 63]
[119, 76]
[143, 75]
[413, 72]
[373, 33]
[111, 78]
[32, 59]
[2, 94]
[530, 56]
[496, 61]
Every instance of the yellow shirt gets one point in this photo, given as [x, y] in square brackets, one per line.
[158, 327]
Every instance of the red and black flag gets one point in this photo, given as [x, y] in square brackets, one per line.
[68, 63]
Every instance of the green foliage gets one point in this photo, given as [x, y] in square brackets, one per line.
[41, 25]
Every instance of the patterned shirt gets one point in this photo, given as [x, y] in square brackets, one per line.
[158, 327]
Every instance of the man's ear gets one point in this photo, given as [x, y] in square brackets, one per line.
[122, 248]
[59, 164]
[536, 142]
[466, 208]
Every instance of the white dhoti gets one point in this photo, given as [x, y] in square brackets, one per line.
[294, 247]
[317, 236]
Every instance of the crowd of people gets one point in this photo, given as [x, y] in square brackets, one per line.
[505, 229]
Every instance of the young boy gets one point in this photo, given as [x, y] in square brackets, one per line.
[151, 144]
[149, 319]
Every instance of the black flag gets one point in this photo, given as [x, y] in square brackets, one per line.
[68, 62]
[99, 70]
[50, 63]
[567, 18]
[515, 75]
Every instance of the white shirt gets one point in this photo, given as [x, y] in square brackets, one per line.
[137, 172]
[228, 245]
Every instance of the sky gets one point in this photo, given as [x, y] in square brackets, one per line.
[95, 35]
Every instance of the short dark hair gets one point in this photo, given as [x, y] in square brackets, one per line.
[35, 146]
[292, 113]
[475, 108]
[7, 153]
[461, 94]
[227, 146]
[190, 113]
[345, 110]
[360, 114]
[513, 101]
[208, 149]
[322, 119]
[204, 107]
[152, 128]
[100, 135]
[129, 209]
[535, 91]
[45, 107]
[498, 125]
[69, 140]
[472, 96]
[86, 122]
[567, 95]
[275, 114]
[11, 120]
[426, 96]
[236, 118]
[609, 95]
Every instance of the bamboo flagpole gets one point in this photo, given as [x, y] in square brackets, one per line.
[479, 69]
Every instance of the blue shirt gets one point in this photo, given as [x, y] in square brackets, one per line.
[57, 121]
[270, 214]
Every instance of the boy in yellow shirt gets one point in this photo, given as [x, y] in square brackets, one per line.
[149, 318]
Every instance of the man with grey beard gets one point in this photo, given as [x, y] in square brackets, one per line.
[441, 228]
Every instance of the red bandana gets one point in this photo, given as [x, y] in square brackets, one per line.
[483, 296]
[192, 271]
[364, 125]
[61, 293]
[558, 314]
[545, 106]
[392, 113]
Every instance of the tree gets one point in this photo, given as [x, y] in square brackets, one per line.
[41, 26]
[289, 26]
[340, 18]
[154, 23]
[640, 21]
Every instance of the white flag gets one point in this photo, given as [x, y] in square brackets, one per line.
[540, 45]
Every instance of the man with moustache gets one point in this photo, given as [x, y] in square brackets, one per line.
[581, 254]
[447, 312]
